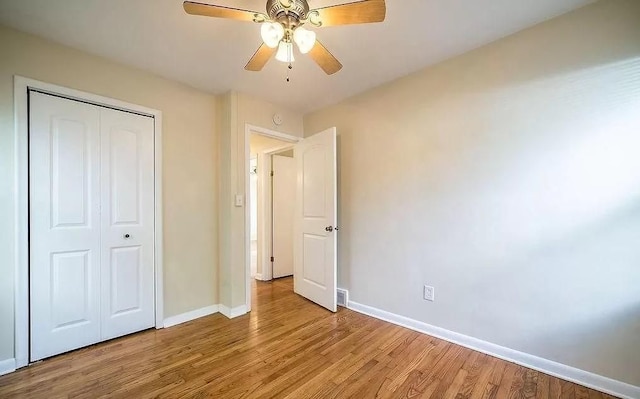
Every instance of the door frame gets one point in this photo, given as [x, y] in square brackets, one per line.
[264, 212]
[248, 130]
[21, 196]
[267, 200]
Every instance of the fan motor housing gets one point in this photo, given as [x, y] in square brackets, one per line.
[288, 16]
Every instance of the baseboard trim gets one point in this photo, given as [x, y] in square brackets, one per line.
[232, 313]
[192, 315]
[7, 366]
[585, 378]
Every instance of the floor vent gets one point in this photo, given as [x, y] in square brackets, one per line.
[343, 297]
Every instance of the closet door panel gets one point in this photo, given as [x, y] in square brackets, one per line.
[127, 223]
[64, 223]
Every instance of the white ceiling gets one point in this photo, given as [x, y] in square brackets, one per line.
[210, 54]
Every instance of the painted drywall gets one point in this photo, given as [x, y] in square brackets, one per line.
[509, 179]
[189, 165]
[239, 110]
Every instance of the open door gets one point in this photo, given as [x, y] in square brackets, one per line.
[315, 230]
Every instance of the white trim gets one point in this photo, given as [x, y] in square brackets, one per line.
[21, 85]
[585, 378]
[7, 366]
[248, 129]
[232, 313]
[263, 256]
[21, 223]
[159, 240]
[192, 315]
[258, 277]
[270, 133]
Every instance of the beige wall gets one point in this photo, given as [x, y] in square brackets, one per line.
[189, 165]
[509, 179]
[241, 110]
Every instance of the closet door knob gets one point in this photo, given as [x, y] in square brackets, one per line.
[127, 235]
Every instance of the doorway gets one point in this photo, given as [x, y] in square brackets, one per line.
[314, 215]
[257, 249]
[271, 195]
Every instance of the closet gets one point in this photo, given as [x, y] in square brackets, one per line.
[91, 224]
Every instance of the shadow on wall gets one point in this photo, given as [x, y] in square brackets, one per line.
[583, 295]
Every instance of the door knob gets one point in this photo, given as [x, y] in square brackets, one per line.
[329, 229]
[127, 235]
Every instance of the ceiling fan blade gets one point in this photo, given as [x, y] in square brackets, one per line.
[325, 59]
[360, 12]
[260, 58]
[209, 10]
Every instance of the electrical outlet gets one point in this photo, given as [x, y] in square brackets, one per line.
[429, 293]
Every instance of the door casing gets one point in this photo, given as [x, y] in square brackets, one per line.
[283, 179]
[21, 197]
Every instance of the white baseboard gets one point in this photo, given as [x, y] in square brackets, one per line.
[258, 277]
[585, 378]
[7, 366]
[233, 312]
[192, 315]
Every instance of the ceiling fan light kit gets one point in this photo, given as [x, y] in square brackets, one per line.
[285, 52]
[272, 33]
[282, 26]
[305, 39]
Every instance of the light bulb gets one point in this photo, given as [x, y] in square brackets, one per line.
[305, 39]
[272, 33]
[285, 52]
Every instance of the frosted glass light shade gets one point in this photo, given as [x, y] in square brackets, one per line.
[285, 52]
[305, 39]
[272, 33]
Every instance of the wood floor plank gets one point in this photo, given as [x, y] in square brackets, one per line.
[542, 387]
[287, 347]
[517, 386]
[555, 388]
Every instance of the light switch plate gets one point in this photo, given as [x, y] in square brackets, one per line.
[239, 200]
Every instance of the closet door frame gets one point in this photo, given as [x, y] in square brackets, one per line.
[22, 86]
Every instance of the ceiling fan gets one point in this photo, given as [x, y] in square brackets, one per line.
[282, 26]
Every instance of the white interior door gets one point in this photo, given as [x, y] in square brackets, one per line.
[315, 219]
[64, 206]
[91, 204]
[127, 223]
[283, 196]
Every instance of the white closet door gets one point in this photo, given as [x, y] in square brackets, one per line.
[127, 223]
[64, 186]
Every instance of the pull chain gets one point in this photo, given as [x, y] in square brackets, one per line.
[290, 67]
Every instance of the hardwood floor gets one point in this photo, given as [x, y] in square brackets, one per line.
[286, 347]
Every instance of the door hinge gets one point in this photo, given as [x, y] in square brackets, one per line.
[271, 173]
[272, 259]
